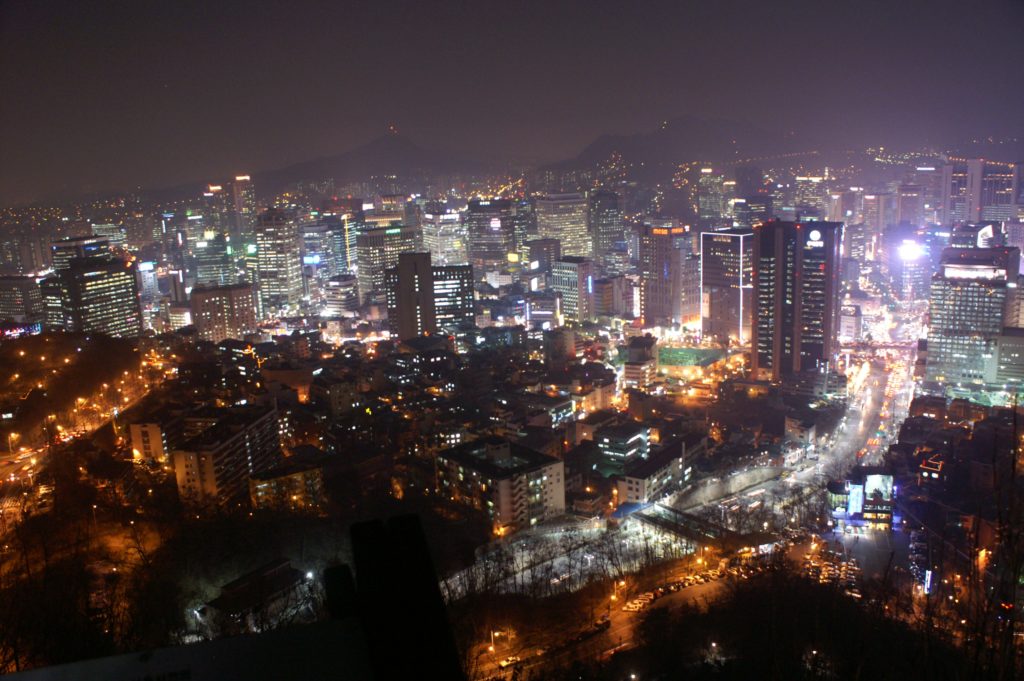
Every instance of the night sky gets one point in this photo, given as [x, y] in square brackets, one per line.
[100, 95]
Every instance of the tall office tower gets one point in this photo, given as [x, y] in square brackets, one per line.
[564, 217]
[726, 263]
[976, 189]
[220, 312]
[690, 304]
[878, 211]
[410, 294]
[909, 269]
[63, 252]
[377, 250]
[973, 297]
[856, 242]
[811, 192]
[1015, 235]
[605, 224]
[387, 211]
[751, 210]
[115, 234]
[796, 297]
[749, 181]
[542, 254]
[346, 223]
[94, 294]
[444, 236]
[423, 299]
[910, 204]
[322, 248]
[21, 299]
[490, 229]
[524, 224]
[711, 198]
[278, 263]
[613, 297]
[573, 278]
[340, 296]
[216, 207]
[214, 264]
[454, 300]
[662, 251]
[929, 179]
[243, 210]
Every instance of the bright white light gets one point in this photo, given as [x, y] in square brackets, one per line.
[910, 250]
[815, 235]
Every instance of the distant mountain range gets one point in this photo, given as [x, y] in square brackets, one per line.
[650, 155]
[683, 139]
[391, 154]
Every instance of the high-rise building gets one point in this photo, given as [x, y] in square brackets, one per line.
[424, 299]
[490, 229]
[213, 259]
[242, 208]
[605, 223]
[573, 278]
[910, 199]
[662, 252]
[973, 297]
[75, 248]
[94, 294]
[278, 263]
[976, 189]
[796, 297]
[726, 263]
[751, 210]
[564, 217]
[711, 198]
[322, 249]
[444, 236]
[220, 312]
[115, 234]
[341, 296]
[377, 250]
[21, 299]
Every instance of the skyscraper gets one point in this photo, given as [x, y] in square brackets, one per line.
[423, 299]
[214, 264]
[97, 294]
[605, 223]
[564, 217]
[796, 288]
[573, 278]
[490, 230]
[64, 251]
[973, 297]
[976, 189]
[444, 236]
[726, 263]
[220, 312]
[662, 251]
[377, 250]
[711, 199]
[278, 263]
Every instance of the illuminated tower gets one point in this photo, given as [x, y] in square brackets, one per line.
[796, 297]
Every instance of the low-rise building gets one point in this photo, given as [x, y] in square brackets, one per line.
[213, 467]
[297, 484]
[516, 486]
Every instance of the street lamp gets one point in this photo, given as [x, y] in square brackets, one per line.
[11, 437]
